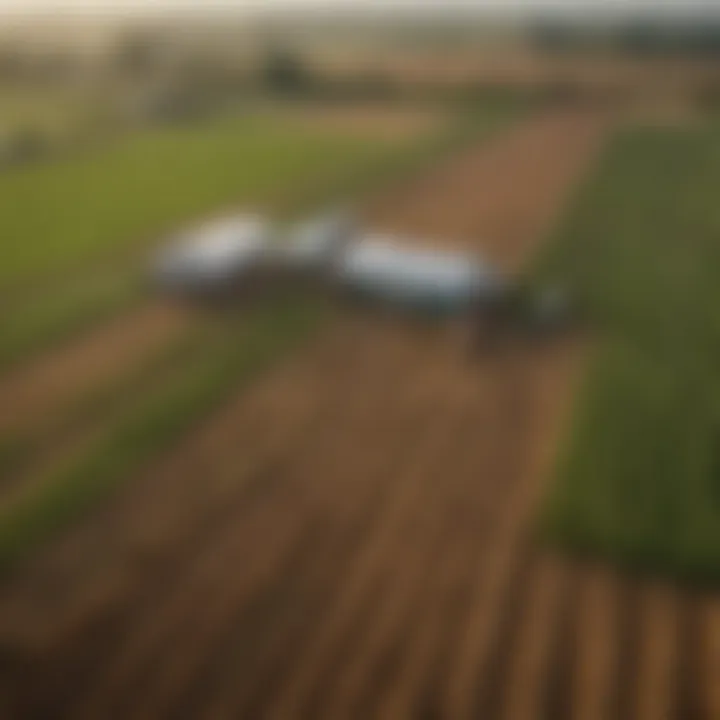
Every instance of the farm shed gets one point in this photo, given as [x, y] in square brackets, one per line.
[215, 255]
[383, 268]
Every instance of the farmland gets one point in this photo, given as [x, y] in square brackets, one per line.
[271, 522]
[640, 479]
[78, 394]
[102, 211]
[266, 567]
[146, 183]
[76, 262]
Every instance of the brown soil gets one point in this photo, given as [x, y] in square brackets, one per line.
[594, 644]
[368, 121]
[352, 537]
[500, 199]
[516, 64]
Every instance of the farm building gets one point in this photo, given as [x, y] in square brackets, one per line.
[386, 269]
[215, 255]
[382, 268]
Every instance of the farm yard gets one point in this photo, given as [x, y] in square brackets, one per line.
[318, 513]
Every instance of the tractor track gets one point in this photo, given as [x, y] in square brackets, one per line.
[352, 536]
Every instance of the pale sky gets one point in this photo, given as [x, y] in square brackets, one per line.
[121, 6]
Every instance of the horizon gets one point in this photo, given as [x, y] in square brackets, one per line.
[450, 9]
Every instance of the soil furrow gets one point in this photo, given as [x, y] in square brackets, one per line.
[656, 687]
[594, 671]
[525, 684]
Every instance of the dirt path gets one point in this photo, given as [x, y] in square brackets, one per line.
[363, 121]
[501, 199]
[352, 537]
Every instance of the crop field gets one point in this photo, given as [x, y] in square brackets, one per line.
[640, 479]
[97, 369]
[81, 358]
[146, 183]
[350, 534]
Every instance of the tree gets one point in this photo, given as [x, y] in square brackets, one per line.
[283, 72]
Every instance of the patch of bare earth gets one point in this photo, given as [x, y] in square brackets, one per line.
[352, 537]
[373, 121]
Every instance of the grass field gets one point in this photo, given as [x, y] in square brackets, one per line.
[640, 478]
[143, 184]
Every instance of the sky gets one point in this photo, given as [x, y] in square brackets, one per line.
[127, 6]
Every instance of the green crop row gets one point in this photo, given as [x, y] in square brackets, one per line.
[640, 477]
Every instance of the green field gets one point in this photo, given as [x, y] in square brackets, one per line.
[57, 214]
[640, 477]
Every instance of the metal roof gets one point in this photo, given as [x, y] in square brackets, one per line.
[218, 248]
[385, 266]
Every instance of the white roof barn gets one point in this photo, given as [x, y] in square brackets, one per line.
[384, 267]
[392, 269]
[216, 253]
